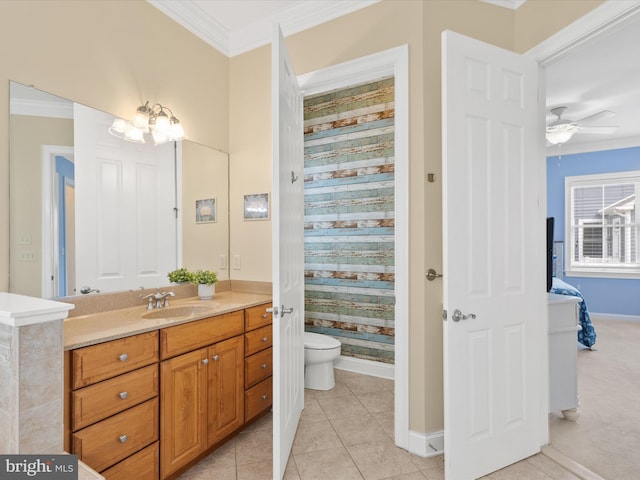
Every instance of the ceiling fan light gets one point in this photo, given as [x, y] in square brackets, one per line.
[560, 136]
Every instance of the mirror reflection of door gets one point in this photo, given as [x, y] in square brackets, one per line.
[64, 205]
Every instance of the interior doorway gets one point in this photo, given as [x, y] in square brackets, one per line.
[391, 63]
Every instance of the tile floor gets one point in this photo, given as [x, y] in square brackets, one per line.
[345, 433]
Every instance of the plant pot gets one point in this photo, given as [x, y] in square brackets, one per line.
[205, 292]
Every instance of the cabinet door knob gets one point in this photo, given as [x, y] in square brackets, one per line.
[123, 438]
[205, 361]
[264, 365]
[216, 358]
[265, 396]
[124, 357]
[123, 395]
[264, 339]
[264, 315]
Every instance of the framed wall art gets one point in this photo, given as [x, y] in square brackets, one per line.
[256, 206]
[206, 210]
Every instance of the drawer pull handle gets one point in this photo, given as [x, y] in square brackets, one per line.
[123, 438]
[264, 365]
[264, 315]
[264, 339]
[124, 357]
[216, 358]
[265, 396]
[123, 395]
[205, 361]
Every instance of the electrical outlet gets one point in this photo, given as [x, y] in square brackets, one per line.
[236, 262]
[27, 256]
[222, 262]
[24, 239]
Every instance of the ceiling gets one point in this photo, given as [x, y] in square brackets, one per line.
[602, 74]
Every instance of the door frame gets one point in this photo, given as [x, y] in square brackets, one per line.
[606, 18]
[603, 19]
[392, 62]
[49, 223]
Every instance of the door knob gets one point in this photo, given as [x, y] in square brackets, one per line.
[432, 275]
[458, 315]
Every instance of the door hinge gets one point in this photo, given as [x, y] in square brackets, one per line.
[444, 314]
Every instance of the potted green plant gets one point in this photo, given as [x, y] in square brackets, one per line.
[181, 275]
[206, 281]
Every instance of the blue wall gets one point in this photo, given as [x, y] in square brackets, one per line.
[602, 295]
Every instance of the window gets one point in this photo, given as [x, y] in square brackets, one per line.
[601, 224]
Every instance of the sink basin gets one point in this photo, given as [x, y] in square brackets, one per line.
[173, 312]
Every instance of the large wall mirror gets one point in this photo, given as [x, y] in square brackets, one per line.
[92, 212]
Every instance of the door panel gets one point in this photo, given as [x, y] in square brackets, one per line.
[287, 254]
[494, 285]
[125, 198]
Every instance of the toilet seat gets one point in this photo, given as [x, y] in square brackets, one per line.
[317, 341]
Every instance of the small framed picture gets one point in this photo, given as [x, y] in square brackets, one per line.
[256, 206]
[206, 210]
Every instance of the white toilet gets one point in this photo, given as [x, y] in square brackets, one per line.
[319, 353]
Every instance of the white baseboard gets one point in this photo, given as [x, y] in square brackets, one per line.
[426, 444]
[614, 316]
[365, 367]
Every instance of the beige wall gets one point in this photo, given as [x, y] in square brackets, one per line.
[28, 134]
[112, 55]
[204, 175]
[385, 25]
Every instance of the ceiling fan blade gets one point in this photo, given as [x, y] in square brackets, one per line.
[603, 115]
[597, 129]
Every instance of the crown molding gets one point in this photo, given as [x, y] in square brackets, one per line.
[40, 108]
[197, 21]
[299, 17]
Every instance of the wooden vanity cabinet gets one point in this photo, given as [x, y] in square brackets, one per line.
[202, 397]
[114, 405]
[149, 405]
[225, 389]
[183, 412]
[258, 365]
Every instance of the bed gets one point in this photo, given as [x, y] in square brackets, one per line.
[587, 334]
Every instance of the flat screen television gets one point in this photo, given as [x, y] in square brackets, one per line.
[549, 253]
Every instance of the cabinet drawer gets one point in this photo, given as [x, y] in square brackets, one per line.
[144, 465]
[105, 443]
[193, 335]
[257, 367]
[257, 340]
[256, 317]
[105, 360]
[257, 399]
[92, 404]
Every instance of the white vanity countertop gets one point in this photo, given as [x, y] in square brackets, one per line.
[100, 327]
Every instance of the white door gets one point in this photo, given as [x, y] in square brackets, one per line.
[494, 282]
[125, 198]
[288, 253]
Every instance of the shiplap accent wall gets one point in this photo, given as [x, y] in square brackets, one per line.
[349, 218]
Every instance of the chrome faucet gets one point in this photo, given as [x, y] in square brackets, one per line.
[161, 299]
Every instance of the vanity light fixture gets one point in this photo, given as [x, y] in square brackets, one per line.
[163, 127]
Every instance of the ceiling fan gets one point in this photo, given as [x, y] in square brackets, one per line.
[561, 130]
